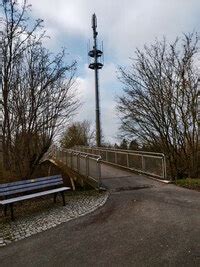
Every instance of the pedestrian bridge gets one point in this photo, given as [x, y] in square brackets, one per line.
[97, 165]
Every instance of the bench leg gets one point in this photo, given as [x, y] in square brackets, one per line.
[11, 211]
[5, 210]
[54, 197]
[63, 198]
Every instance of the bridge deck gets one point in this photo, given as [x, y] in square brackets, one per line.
[115, 178]
[102, 173]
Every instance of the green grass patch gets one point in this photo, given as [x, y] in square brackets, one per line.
[189, 183]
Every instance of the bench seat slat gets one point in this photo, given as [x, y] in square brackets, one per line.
[21, 198]
[30, 185]
[2, 186]
[28, 189]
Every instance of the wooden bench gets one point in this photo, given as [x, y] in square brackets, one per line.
[28, 189]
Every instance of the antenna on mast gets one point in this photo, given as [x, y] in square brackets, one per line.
[94, 25]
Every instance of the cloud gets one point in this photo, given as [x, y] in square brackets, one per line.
[123, 25]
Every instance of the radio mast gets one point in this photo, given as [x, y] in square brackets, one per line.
[198, 110]
[1, 96]
[96, 66]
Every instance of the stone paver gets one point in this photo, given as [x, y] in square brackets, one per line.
[36, 216]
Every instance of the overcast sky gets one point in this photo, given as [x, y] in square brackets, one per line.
[123, 25]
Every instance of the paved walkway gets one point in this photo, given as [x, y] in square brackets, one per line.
[143, 223]
[41, 214]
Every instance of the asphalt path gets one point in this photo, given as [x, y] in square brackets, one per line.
[143, 223]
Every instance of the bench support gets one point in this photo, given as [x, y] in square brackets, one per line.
[11, 211]
[63, 198]
[54, 197]
[5, 210]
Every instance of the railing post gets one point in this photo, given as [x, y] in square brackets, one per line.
[71, 160]
[115, 157]
[78, 162]
[87, 165]
[59, 153]
[165, 167]
[99, 172]
[66, 156]
[127, 159]
[143, 163]
[62, 156]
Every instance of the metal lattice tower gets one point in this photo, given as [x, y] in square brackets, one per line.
[96, 54]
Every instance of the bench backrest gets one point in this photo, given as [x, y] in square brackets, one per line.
[30, 185]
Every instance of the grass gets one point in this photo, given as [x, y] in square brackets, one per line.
[189, 183]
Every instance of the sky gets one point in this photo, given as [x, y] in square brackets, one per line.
[123, 26]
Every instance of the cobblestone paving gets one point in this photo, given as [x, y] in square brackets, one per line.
[39, 215]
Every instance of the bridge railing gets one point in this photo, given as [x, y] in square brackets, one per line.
[86, 164]
[150, 163]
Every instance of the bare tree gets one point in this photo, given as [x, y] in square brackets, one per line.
[159, 105]
[38, 90]
[123, 144]
[78, 134]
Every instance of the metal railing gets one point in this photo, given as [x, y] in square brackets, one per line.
[150, 163]
[85, 164]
